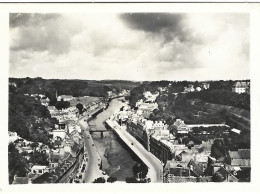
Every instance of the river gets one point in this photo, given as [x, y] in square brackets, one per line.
[117, 160]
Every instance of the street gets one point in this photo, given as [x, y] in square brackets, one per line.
[93, 165]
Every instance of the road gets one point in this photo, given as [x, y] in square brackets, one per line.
[155, 167]
[94, 161]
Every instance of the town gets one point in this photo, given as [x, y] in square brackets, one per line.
[180, 131]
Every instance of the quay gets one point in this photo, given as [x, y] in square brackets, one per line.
[155, 167]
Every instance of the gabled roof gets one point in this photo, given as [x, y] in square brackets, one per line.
[196, 169]
[184, 172]
[240, 154]
[224, 172]
[44, 178]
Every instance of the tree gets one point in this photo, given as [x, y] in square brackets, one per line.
[100, 180]
[17, 165]
[218, 177]
[111, 179]
[80, 107]
[34, 144]
[39, 158]
[140, 170]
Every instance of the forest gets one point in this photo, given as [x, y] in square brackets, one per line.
[28, 118]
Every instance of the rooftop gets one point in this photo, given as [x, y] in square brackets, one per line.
[240, 154]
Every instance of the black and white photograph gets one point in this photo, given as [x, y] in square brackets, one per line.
[129, 96]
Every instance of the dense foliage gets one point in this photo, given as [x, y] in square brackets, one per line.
[39, 158]
[70, 87]
[17, 165]
[28, 118]
[191, 107]
[225, 97]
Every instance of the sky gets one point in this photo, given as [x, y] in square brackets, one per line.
[130, 46]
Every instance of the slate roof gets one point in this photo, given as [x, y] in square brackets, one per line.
[240, 154]
[44, 178]
[179, 172]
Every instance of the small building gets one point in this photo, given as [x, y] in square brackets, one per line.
[38, 169]
[180, 127]
[67, 97]
[205, 86]
[59, 133]
[239, 158]
[12, 136]
[198, 89]
[241, 87]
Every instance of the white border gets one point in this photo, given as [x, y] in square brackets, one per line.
[252, 8]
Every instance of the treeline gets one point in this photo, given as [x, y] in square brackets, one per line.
[70, 87]
[225, 97]
[28, 118]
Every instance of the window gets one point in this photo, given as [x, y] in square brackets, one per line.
[40, 171]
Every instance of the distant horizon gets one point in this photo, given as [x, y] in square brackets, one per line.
[129, 80]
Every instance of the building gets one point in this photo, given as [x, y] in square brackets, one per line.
[38, 169]
[161, 149]
[140, 130]
[59, 134]
[150, 97]
[205, 86]
[180, 127]
[65, 98]
[45, 101]
[12, 136]
[239, 158]
[181, 172]
[147, 108]
[241, 87]
[52, 109]
[189, 89]
[198, 89]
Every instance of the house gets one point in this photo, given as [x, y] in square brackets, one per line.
[223, 175]
[239, 158]
[38, 169]
[241, 87]
[59, 133]
[181, 172]
[189, 89]
[12, 136]
[162, 89]
[45, 101]
[52, 109]
[67, 97]
[205, 86]
[198, 89]
[150, 97]
[181, 127]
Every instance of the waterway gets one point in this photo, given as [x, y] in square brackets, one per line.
[117, 160]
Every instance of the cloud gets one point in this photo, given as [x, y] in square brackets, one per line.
[167, 24]
[40, 32]
[136, 46]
